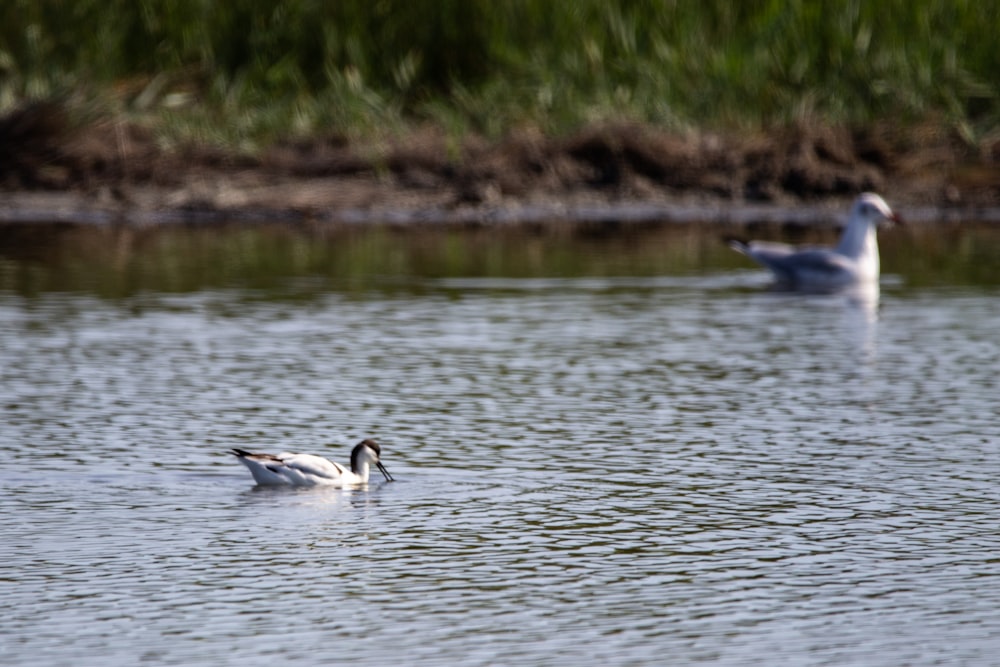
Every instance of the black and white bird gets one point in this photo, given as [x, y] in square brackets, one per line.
[287, 469]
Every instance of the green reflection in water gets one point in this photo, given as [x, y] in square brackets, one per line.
[306, 258]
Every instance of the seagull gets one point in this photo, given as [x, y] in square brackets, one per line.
[853, 262]
[287, 469]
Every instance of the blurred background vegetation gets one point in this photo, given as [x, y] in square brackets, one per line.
[245, 73]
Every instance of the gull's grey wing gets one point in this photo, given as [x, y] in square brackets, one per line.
[792, 264]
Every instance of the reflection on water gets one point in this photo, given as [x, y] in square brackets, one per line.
[601, 459]
[297, 260]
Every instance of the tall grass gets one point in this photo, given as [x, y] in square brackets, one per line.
[258, 69]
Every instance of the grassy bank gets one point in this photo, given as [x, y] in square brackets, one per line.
[246, 73]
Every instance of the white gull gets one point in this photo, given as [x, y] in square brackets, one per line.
[287, 469]
[853, 262]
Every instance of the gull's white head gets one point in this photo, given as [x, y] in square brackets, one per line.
[858, 242]
[872, 209]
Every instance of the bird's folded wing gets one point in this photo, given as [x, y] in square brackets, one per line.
[819, 259]
[309, 464]
[768, 249]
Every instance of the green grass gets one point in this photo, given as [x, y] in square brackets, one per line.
[250, 72]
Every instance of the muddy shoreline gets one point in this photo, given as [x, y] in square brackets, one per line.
[110, 170]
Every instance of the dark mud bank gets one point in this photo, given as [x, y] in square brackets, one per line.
[112, 170]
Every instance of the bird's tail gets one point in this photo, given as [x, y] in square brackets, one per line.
[239, 452]
[737, 244]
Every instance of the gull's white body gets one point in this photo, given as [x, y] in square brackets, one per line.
[289, 469]
[854, 261]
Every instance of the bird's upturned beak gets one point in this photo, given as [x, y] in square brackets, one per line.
[385, 472]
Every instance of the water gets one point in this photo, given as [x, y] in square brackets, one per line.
[602, 456]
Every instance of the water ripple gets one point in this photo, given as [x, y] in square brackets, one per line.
[591, 471]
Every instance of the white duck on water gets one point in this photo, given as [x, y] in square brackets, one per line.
[286, 469]
[853, 262]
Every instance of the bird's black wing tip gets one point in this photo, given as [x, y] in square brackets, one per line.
[736, 243]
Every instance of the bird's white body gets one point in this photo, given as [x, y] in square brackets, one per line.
[289, 469]
[854, 261]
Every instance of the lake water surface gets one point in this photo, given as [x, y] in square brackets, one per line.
[611, 448]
